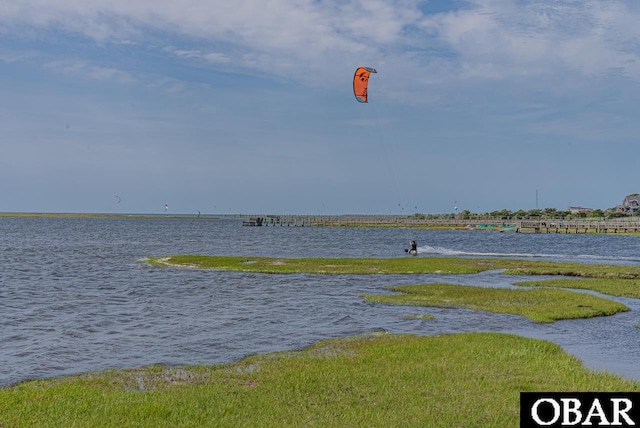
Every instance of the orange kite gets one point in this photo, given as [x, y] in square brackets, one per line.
[361, 82]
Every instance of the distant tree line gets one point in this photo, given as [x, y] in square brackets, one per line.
[545, 213]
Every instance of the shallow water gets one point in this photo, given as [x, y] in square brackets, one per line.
[75, 298]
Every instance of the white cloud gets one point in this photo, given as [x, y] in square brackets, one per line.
[481, 40]
[219, 58]
[86, 70]
[11, 57]
[303, 30]
[538, 38]
[211, 57]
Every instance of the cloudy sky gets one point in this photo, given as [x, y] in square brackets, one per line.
[247, 106]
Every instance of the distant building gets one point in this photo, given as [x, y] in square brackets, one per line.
[630, 204]
[579, 209]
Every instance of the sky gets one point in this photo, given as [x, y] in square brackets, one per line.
[247, 106]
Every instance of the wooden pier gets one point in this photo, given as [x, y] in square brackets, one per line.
[253, 221]
[622, 225]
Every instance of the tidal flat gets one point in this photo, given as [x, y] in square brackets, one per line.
[379, 379]
[540, 304]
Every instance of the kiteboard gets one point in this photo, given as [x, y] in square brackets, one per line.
[412, 252]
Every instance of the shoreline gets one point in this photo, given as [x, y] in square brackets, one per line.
[619, 226]
[458, 379]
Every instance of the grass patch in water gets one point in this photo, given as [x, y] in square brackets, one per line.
[540, 305]
[469, 379]
[610, 286]
[325, 265]
[585, 270]
[400, 265]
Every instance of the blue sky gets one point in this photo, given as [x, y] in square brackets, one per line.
[247, 106]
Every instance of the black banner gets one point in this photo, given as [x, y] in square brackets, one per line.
[578, 409]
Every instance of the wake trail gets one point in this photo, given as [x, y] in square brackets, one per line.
[426, 249]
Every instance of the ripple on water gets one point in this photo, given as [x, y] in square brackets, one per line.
[75, 299]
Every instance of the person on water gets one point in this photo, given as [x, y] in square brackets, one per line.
[413, 250]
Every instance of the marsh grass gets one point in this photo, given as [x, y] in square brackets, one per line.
[610, 286]
[540, 305]
[525, 267]
[324, 265]
[469, 379]
[401, 265]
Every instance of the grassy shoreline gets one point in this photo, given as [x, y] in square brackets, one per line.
[609, 286]
[540, 303]
[377, 380]
[543, 305]
[464, 379]
[401, 265]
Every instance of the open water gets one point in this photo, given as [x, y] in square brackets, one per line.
[75, 298]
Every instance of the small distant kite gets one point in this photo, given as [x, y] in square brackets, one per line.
[118, 199]
[166, 207]
[361, 83]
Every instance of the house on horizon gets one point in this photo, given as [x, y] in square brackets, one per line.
[579, 209]
[630, 204]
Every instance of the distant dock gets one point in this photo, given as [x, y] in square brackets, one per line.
[253, 221]
[622, 225]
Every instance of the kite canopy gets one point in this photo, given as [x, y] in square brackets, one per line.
[361, 82]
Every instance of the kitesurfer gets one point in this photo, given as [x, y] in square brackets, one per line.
[413, 250]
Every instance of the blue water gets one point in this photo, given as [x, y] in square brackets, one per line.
[75, 298]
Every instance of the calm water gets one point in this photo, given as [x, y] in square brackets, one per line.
[74, 297]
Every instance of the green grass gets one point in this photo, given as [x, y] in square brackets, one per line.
[470, 379]
[525, 267]
[325, 265]
[540, 305]
[400, 265]
[610, 286]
